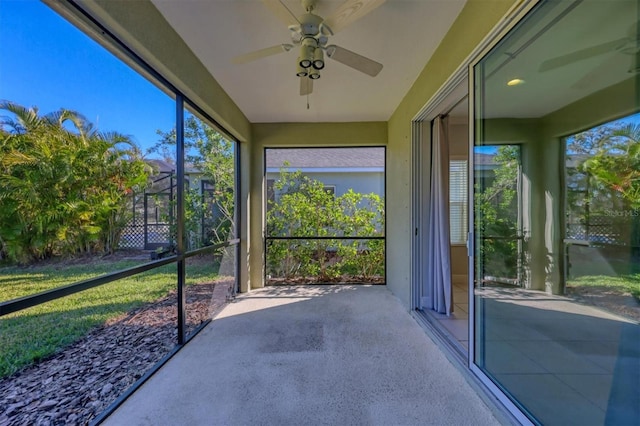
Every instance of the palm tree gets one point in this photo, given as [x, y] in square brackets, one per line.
[614, 168]
[63, 184]
[616, 163]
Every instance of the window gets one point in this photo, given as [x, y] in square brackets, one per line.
[271, 192]
[330, 189]
[458, 201]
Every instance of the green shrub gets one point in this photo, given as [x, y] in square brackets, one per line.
[305, 210]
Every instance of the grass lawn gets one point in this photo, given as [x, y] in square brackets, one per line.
[623, 284]
[35, 333]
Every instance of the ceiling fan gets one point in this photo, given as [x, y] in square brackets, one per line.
[629, 45]
[311, 33]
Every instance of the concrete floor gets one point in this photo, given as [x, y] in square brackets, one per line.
[343, 355]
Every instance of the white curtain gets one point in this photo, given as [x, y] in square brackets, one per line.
[439, 294]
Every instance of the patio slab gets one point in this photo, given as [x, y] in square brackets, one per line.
[308, 355]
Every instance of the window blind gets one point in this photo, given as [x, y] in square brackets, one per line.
[458, 201]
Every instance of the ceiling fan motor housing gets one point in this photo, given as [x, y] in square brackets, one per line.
[310, 24]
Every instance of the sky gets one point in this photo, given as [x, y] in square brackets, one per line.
[48, 63]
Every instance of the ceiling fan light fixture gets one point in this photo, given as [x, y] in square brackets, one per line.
[318, 59]
[301, 72]
[306, 55]
[314, 74]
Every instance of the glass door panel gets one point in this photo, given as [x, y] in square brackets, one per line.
[556, 303]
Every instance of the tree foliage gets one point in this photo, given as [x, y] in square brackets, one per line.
[209, 157]
[604, 184]
[615, 161]
[304, 209]
[496, 205]
[63, 184]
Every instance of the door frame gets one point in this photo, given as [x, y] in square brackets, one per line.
[450, 95]
[420, 132]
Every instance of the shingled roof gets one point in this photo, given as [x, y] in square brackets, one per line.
[482, 159]
[161, 166]
[325, 157]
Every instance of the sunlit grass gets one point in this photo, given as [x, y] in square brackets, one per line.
[35, 333]
[17, 281]
[629, 284]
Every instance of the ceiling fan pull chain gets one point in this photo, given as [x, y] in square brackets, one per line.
[307, 101]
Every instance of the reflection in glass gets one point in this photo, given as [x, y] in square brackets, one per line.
[557, 309]
[498, 196]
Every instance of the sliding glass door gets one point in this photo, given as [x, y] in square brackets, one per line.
[556, 223]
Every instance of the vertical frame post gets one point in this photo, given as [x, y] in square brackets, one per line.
[180, 249]
[145, 221]
[237, 214]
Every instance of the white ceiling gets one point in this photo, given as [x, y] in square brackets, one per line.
[400, 34]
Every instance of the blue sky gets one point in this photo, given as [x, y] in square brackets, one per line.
[48, 63]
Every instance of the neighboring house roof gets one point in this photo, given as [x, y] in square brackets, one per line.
[161, 166]
[325, 157]
[481, 159]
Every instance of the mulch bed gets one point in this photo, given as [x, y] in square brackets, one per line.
[77, 384]
[345, 279]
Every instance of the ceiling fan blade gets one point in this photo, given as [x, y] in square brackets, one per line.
[262, 53]
[579, 55]
[306, 86]
[281, 11]
[353, 60]
[594, 77]
[350, 11]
